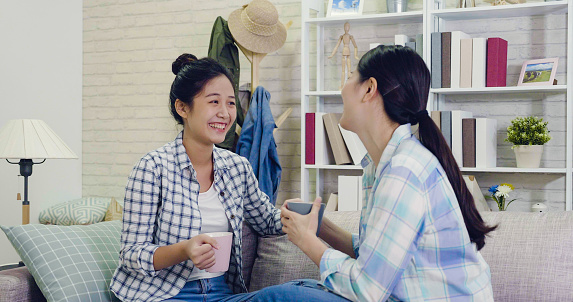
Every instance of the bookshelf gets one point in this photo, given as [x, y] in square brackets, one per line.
[317, 96]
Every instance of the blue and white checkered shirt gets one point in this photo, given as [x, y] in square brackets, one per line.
[161, 208]
[413, 244]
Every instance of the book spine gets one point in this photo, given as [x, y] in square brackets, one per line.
[436, 49]
[322, 151]
[469, 142]
[420, 45]
[496, 62]
[347, 193]
[436, 117]
[455, 65]
[411, 45]
[446, 122]
[309, 138]
[466, 56]
[341, 155]
[446, 60]
[486, 143]
[457, 134]
[332, 203]
[355, 147]
[479, 62]
[401, 40]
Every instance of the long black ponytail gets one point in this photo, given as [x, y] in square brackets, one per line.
[404, 82]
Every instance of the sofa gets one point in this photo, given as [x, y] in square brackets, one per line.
[530, 257]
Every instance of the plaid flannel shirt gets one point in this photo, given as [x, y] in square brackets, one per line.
[161, 208]
[413, 244]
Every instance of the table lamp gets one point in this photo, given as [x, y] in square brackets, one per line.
[27, 140]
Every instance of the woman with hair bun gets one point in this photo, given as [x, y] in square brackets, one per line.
[186, 188]
[420, 232]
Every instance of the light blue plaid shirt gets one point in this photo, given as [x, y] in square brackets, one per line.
[413, 244]
[161, 208]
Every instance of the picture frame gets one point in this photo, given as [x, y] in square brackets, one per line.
[538, 72]
[344, 7]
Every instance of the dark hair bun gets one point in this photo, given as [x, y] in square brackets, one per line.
[181, 61]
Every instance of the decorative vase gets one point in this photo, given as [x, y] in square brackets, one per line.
[397, 6]
[528, 156]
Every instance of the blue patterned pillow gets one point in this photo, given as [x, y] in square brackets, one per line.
[87, 210]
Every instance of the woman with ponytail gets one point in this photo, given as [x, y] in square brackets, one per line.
[420, 232]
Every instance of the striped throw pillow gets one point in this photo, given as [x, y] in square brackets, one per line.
[87, 210]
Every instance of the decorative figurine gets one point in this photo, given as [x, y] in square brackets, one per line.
[345, 39]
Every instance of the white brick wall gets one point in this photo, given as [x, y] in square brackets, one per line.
[128, 50]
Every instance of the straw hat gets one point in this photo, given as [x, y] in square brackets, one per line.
[256, 27]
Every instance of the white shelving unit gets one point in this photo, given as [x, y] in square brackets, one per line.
[433, 18]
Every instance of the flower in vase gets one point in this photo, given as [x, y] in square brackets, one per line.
[500, 193]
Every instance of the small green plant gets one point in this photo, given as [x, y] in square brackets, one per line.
[529, 130]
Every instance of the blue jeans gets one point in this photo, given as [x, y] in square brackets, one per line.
[209, 290]
[215, 289]
[302, 290]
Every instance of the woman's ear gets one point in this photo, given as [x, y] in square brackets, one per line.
[371, 90]
[181, 108]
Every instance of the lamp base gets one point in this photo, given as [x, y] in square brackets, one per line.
[25, 213]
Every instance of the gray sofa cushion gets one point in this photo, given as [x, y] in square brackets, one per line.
[279, 260]
[530, 256]
[17, 285]
[249, 252]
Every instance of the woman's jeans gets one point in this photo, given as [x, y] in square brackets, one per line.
[302, 290]
[209, 290]
[215, 289]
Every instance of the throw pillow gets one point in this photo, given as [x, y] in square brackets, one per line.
[114, 211]
[69, 263]
[85, 210]
[278, 251]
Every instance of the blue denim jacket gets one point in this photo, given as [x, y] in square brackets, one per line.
[257, 143]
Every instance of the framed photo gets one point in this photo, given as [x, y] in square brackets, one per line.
[538, 72]
[344, 7]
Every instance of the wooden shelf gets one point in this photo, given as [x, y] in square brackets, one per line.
[515, 170]
[508, 89]
[322, 93]
[334, 167]
[501, 11]
[394, 18]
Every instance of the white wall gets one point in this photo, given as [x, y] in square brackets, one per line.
[41, 78]
[128, 50]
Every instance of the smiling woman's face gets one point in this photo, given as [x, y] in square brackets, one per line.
[213, 112]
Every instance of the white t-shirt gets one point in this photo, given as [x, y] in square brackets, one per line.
[213, 219]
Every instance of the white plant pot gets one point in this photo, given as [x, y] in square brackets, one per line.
[528, 156]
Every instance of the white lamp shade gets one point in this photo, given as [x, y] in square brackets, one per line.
[32, 139]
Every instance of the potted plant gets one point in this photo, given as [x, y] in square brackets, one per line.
[528, 134]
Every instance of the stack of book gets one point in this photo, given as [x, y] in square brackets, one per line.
[459, 61]
[327, 143]
[473, 141]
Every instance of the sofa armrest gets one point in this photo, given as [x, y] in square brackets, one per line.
[18, 285]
